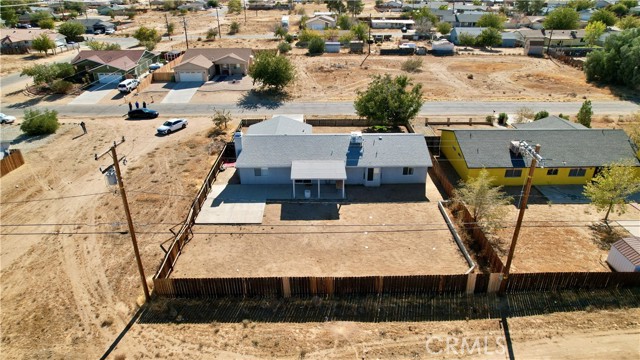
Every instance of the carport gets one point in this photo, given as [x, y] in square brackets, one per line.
[319, 170]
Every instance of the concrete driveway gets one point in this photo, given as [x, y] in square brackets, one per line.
[94, 94]
[182, 93]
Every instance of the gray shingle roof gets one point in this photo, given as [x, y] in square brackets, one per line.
[280, 150]
[280, 125]
[560, 148]
[549, 123]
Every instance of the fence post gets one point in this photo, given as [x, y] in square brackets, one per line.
[286, 287]
[426, 121]
[379, 284]
[471, 283]
[448, 121]
[470, 121]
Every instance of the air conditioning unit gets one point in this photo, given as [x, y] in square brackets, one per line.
[514, 147]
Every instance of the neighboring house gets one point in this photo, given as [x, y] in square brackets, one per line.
[19, 40]
[285, 151]
[113, 9]
[390, 6]
[111, 66]
[202, 64]
[448, 16]
[468, 19]
[571, 153]
[509, 39]
[320, 22]
[585, 15]
[466, 7]
[524, 35]
[564, 38]
[533, 22]
[392, 24]
[92, 25]
[193, 6]
[604, 3]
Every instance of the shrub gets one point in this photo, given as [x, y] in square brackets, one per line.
[149, 45]
[502, 118]
[412, 65]
[288, 38]
[541, 115]
[61, 87]
[466, 39]
[316, 46]
[284, 47]
[40, 123]
[46, 24]
[212, 33]
[234, 28]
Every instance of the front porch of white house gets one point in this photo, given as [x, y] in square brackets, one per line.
[318, 179]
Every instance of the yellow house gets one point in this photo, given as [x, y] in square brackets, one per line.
[572, 154]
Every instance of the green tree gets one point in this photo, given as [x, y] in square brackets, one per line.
[171, 27]
[618, 62]
[280, 32]
[563, 18]
[529, 7]
[355, 7]
[593, 31]
[584, 114]
[444, 28]
[466, 39]
[489, 37]
[492, 20]
[618, 9]
[46, 24]
[234, 28]
[604, 16]
[336, 5]
[235, 6]
[424, 13]
[580, 5]
[344, 22]
[145, 34]
[628, 22]
[316, 46]
[168, 5]
[389, 101]
[345, 38]
[306, 35]
[99, 45]
[38, 122]
[38, 16]
[212, 33]
[8, 14]
[72, 30]
[612, 186]
[486, 203]
[541, 115]
[149, 45]
[213, 3]
[43, 44]
[360, 31]
[628, 3]
[47, 73]
[61, 86]
[78, 7]
[330, 34]
[272, 70]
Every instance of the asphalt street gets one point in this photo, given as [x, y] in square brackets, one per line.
[259, 107]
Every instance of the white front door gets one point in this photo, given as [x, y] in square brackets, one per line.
[372, 177]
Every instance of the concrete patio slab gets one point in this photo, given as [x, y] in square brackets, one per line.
[181, 93]
[94, 94]
[632, 226]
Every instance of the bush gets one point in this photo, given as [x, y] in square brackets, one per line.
[212, 33]
[466, 39]
[149, 45]
[40, 123]
[502, 118]
[234, 28]
[288, 38]
[316, 46]
[46, 24]
[284, 47]
[61, 87]
[412, 65]
[541, 115]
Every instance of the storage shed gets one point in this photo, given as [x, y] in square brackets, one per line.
[332, 47]
[624, 255]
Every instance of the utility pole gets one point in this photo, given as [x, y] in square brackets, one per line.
[218, 18]
[166, 19]
[244, 5]
[186, 38]
[535, 156]
[132, 232]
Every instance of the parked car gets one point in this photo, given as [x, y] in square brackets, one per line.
[98, 32]
[143, 113]
[7, 119]
[172, 125]
[128, 85]
[23, 26]
[154, 67]
[109, 31]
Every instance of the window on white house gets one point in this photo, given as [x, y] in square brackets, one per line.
[407, 171]
[578, 172]
[513, 173]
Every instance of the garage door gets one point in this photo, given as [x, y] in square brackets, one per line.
[109, 78]
[191, 76]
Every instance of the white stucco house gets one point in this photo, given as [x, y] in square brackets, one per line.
[285, 151]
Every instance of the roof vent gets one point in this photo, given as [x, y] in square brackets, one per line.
[514, 147]
[356, 139]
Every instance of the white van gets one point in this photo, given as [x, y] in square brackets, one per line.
[128, 85]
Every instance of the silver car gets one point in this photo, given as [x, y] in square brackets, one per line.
[172, 125]
[7, 119]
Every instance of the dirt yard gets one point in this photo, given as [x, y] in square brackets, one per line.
[559, 238]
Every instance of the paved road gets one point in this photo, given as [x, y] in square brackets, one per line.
[475, 108]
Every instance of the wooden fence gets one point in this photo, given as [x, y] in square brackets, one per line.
[11, 162]
[165, 73]
[398, 285]
[448, 122]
